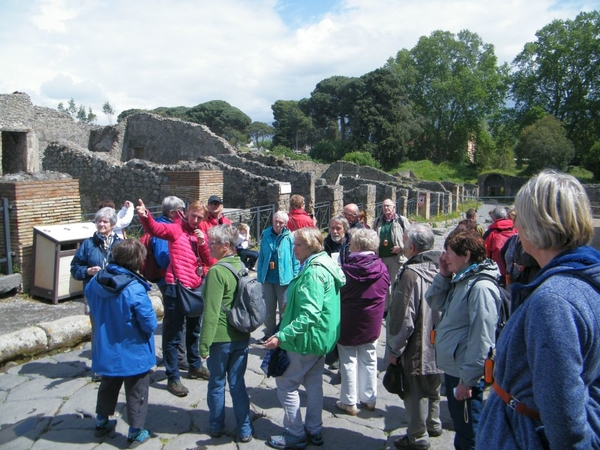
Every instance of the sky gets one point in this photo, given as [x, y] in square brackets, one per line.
[249, 53]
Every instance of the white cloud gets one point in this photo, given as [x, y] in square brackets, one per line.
[145, 54]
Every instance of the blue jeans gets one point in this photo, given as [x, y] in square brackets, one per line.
[465, 429]
[171, 337]
[228, 359]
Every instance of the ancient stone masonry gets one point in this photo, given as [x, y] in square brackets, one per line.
[27, 130]
[167, 141]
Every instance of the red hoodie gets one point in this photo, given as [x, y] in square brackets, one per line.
[499, 232]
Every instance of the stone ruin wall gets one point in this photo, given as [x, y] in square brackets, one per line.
[41, 125]
[168, 141]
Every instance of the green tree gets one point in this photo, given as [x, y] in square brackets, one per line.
[454, 82]
[383, 119]
[259, 131]
[330, 106]
[559, 73]
[545, 144]
[109, 111]
[78, 113]
[293, 128]
[362, 159]
[592, 160]
[130, 112]
[222, 118]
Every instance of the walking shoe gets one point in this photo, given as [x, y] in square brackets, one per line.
[177, 388]
[368, 406]
[245, 439]
[200, 372]
[216, 434]
[435, 433]
[315, 438]
[350, 409]
[105, 427]
[404, 443]
[287, 441]
[137, 439]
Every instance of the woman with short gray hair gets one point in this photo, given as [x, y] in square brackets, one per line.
[94, 254]
[547, 357]
[275, 268]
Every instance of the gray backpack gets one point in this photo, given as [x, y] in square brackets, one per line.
[248, 311]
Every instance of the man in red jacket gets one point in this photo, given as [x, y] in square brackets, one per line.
[213, 218]
[496, 236]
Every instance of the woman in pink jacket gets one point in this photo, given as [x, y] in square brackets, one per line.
[189, 255]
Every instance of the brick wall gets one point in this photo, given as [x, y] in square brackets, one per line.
[33, 203]
[195, 185]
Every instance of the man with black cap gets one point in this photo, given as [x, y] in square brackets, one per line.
[213, 218]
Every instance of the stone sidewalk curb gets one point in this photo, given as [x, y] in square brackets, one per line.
[48, 336]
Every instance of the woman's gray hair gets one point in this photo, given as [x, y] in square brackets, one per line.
[224, 234]
[106, 213]
[342, 220]
[312, 237]
[364, 239]
[553, 212]
[421, 236]
[171, 203]
[281, 215]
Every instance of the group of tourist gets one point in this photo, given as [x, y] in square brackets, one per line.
[441, 312]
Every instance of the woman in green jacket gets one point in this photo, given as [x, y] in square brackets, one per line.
[310, 328]
[225, 347]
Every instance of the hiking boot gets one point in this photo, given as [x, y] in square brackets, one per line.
[177, 388]
[103, 428]
[315, 438]
[404, 443]
[137, 439]
[287, 441]
[200, 372]
[349, 409]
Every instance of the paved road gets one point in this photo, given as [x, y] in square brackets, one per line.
[49, 403]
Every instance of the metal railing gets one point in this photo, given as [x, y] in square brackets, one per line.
[323, 214]
[257, 218]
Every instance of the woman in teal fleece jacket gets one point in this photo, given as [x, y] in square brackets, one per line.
[548, 355]
[309, 329]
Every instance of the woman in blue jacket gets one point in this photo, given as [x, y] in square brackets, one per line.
[276, 267]
[94, 254]
[547, 370]
[123, 340]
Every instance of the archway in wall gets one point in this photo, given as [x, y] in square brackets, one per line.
[14, 152]
[494, 186]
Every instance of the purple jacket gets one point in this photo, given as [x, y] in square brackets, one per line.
[363, 299]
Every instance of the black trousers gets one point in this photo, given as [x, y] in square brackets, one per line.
[136, 396]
